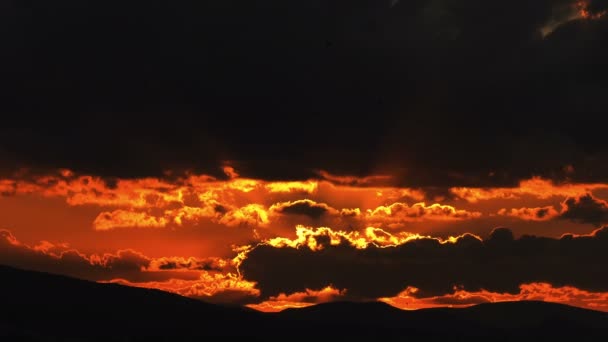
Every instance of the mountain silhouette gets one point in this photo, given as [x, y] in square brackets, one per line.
[39, 306]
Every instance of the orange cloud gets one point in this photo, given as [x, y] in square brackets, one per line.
[257, 215]
[299, 299]
[581, 209]
[211, 287]
[251, 215]
[127, 218]
[310, 237]
[126, 263]
[531, 214]
[156, 203]
[401, 212]
[212, 209]
[311, 209]
[212, 279]
[536, 187]
[569, 295]
[307, 187]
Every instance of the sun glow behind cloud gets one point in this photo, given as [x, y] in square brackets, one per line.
[331, 214]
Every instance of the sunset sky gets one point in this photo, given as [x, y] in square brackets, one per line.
[279, 154]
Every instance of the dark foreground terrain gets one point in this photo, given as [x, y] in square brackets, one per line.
[45, 307]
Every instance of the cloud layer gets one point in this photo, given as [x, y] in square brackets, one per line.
[408, 68]
[499, 263]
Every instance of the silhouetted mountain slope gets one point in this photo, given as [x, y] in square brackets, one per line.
[40, 306]
[50, 304]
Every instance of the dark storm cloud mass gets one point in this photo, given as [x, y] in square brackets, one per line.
[437, 92]
[304, 207]
[499, 263]
[585, 209]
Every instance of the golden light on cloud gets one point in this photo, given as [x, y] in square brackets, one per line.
[408, 299]
[308, 237]
[328, 216]
[213, 287]
[531, 214]
[125, 218]
[307, 187]
[251, 214]
[299, 299]
[536, 187]
[402, 212]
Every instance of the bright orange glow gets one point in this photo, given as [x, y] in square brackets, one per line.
[307, 236]
[531, 214]
[407, 299]
[230, 172]
[212, 287]
[46, 252]
[536, 187]
[133, 231]
[125, 218]
[299, 299]
[153, 202]
[307, 187]
[401, 212]
[251, 214]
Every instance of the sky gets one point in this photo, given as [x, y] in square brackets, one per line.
[278, 154]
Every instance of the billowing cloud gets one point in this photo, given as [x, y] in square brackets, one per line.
[209, 279]
[311, 209]
[585, 209]
[303, 207]
[499, 263]
[249, 215]
[397, 213]
[426, 157]
[309, 238]
[127, 218]
[192, 199]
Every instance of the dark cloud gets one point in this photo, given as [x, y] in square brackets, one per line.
[500, 263]
[585, 209]
[304, 207]
[176, 263]
[451, 92]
